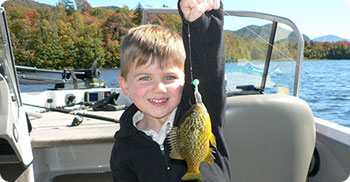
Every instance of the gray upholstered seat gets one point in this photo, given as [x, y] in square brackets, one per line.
[271, 138]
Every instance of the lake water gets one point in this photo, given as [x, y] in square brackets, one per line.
[324, 86]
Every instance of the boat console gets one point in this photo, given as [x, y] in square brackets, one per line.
[69, 79]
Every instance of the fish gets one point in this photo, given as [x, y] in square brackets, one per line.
[191, 139]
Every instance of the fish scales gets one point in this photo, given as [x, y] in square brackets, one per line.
[190, 140]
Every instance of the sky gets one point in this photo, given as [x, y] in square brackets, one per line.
[314, 18]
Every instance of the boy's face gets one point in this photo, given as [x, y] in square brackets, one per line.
[156, 92]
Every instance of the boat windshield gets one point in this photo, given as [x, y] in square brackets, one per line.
[263, 52]
[6, 63]
[260, 55]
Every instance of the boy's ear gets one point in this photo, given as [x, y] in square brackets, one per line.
[124, 85]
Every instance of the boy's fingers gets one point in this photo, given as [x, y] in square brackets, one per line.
[193, 9]
[197, 11]
[210, 4]
[188, 4]
[213, 4]
[216, 4]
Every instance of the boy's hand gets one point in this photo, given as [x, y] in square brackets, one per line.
[193, 9]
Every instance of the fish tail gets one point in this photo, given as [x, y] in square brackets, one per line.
[192, 176]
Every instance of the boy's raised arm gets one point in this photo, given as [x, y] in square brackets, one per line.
[204, 20]
[206, 52]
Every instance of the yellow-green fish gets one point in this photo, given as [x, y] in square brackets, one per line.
[190, 139]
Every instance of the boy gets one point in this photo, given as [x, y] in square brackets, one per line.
[154, 74]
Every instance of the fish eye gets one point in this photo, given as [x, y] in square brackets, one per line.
[194, 113]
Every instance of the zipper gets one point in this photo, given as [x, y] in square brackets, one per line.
[161, 147]
[162, 150]
[165, 158]
[168, 129]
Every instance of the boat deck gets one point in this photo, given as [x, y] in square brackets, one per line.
[54, 129]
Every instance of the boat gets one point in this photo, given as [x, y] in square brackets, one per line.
[72, 89]
[271, 133]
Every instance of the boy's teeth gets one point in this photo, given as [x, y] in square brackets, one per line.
[157, 101]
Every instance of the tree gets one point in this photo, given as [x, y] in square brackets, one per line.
[99, 13]
[137, 15]
[66, 37]
[69, 7]
[60, 12]
[116, 26]
[60, 37]
[32, 16]
[82, 5]
[88, 50]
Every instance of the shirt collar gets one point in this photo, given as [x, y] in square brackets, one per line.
[165, 129]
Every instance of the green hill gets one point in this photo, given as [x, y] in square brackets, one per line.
[61, 37]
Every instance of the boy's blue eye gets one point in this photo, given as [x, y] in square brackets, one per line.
[145, 78]
[170, 77]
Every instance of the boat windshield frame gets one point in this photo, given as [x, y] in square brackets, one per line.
[250, 14]
[8, 58]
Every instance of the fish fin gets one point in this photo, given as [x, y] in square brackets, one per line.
[212, 140]
[192, 176]
[174, 153]
[210, 157]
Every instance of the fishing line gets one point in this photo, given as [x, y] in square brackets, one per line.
[195, 82]
[267, 42]
[260, 37]
[282, 53]
[189, 50]
[286, 56]
[291, 85]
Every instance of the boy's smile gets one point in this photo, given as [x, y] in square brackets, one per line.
[155, 91]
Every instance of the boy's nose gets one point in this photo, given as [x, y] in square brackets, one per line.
[159, 87]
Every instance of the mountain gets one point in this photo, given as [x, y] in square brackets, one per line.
[28, 4]
[329, 38]
[264, 32]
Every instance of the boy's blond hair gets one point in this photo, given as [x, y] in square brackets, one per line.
[151, 44]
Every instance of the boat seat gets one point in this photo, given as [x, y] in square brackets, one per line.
[269, 137]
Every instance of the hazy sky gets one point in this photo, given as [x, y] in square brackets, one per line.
[314, 18]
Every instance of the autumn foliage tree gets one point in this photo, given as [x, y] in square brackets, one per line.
[66, 37]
